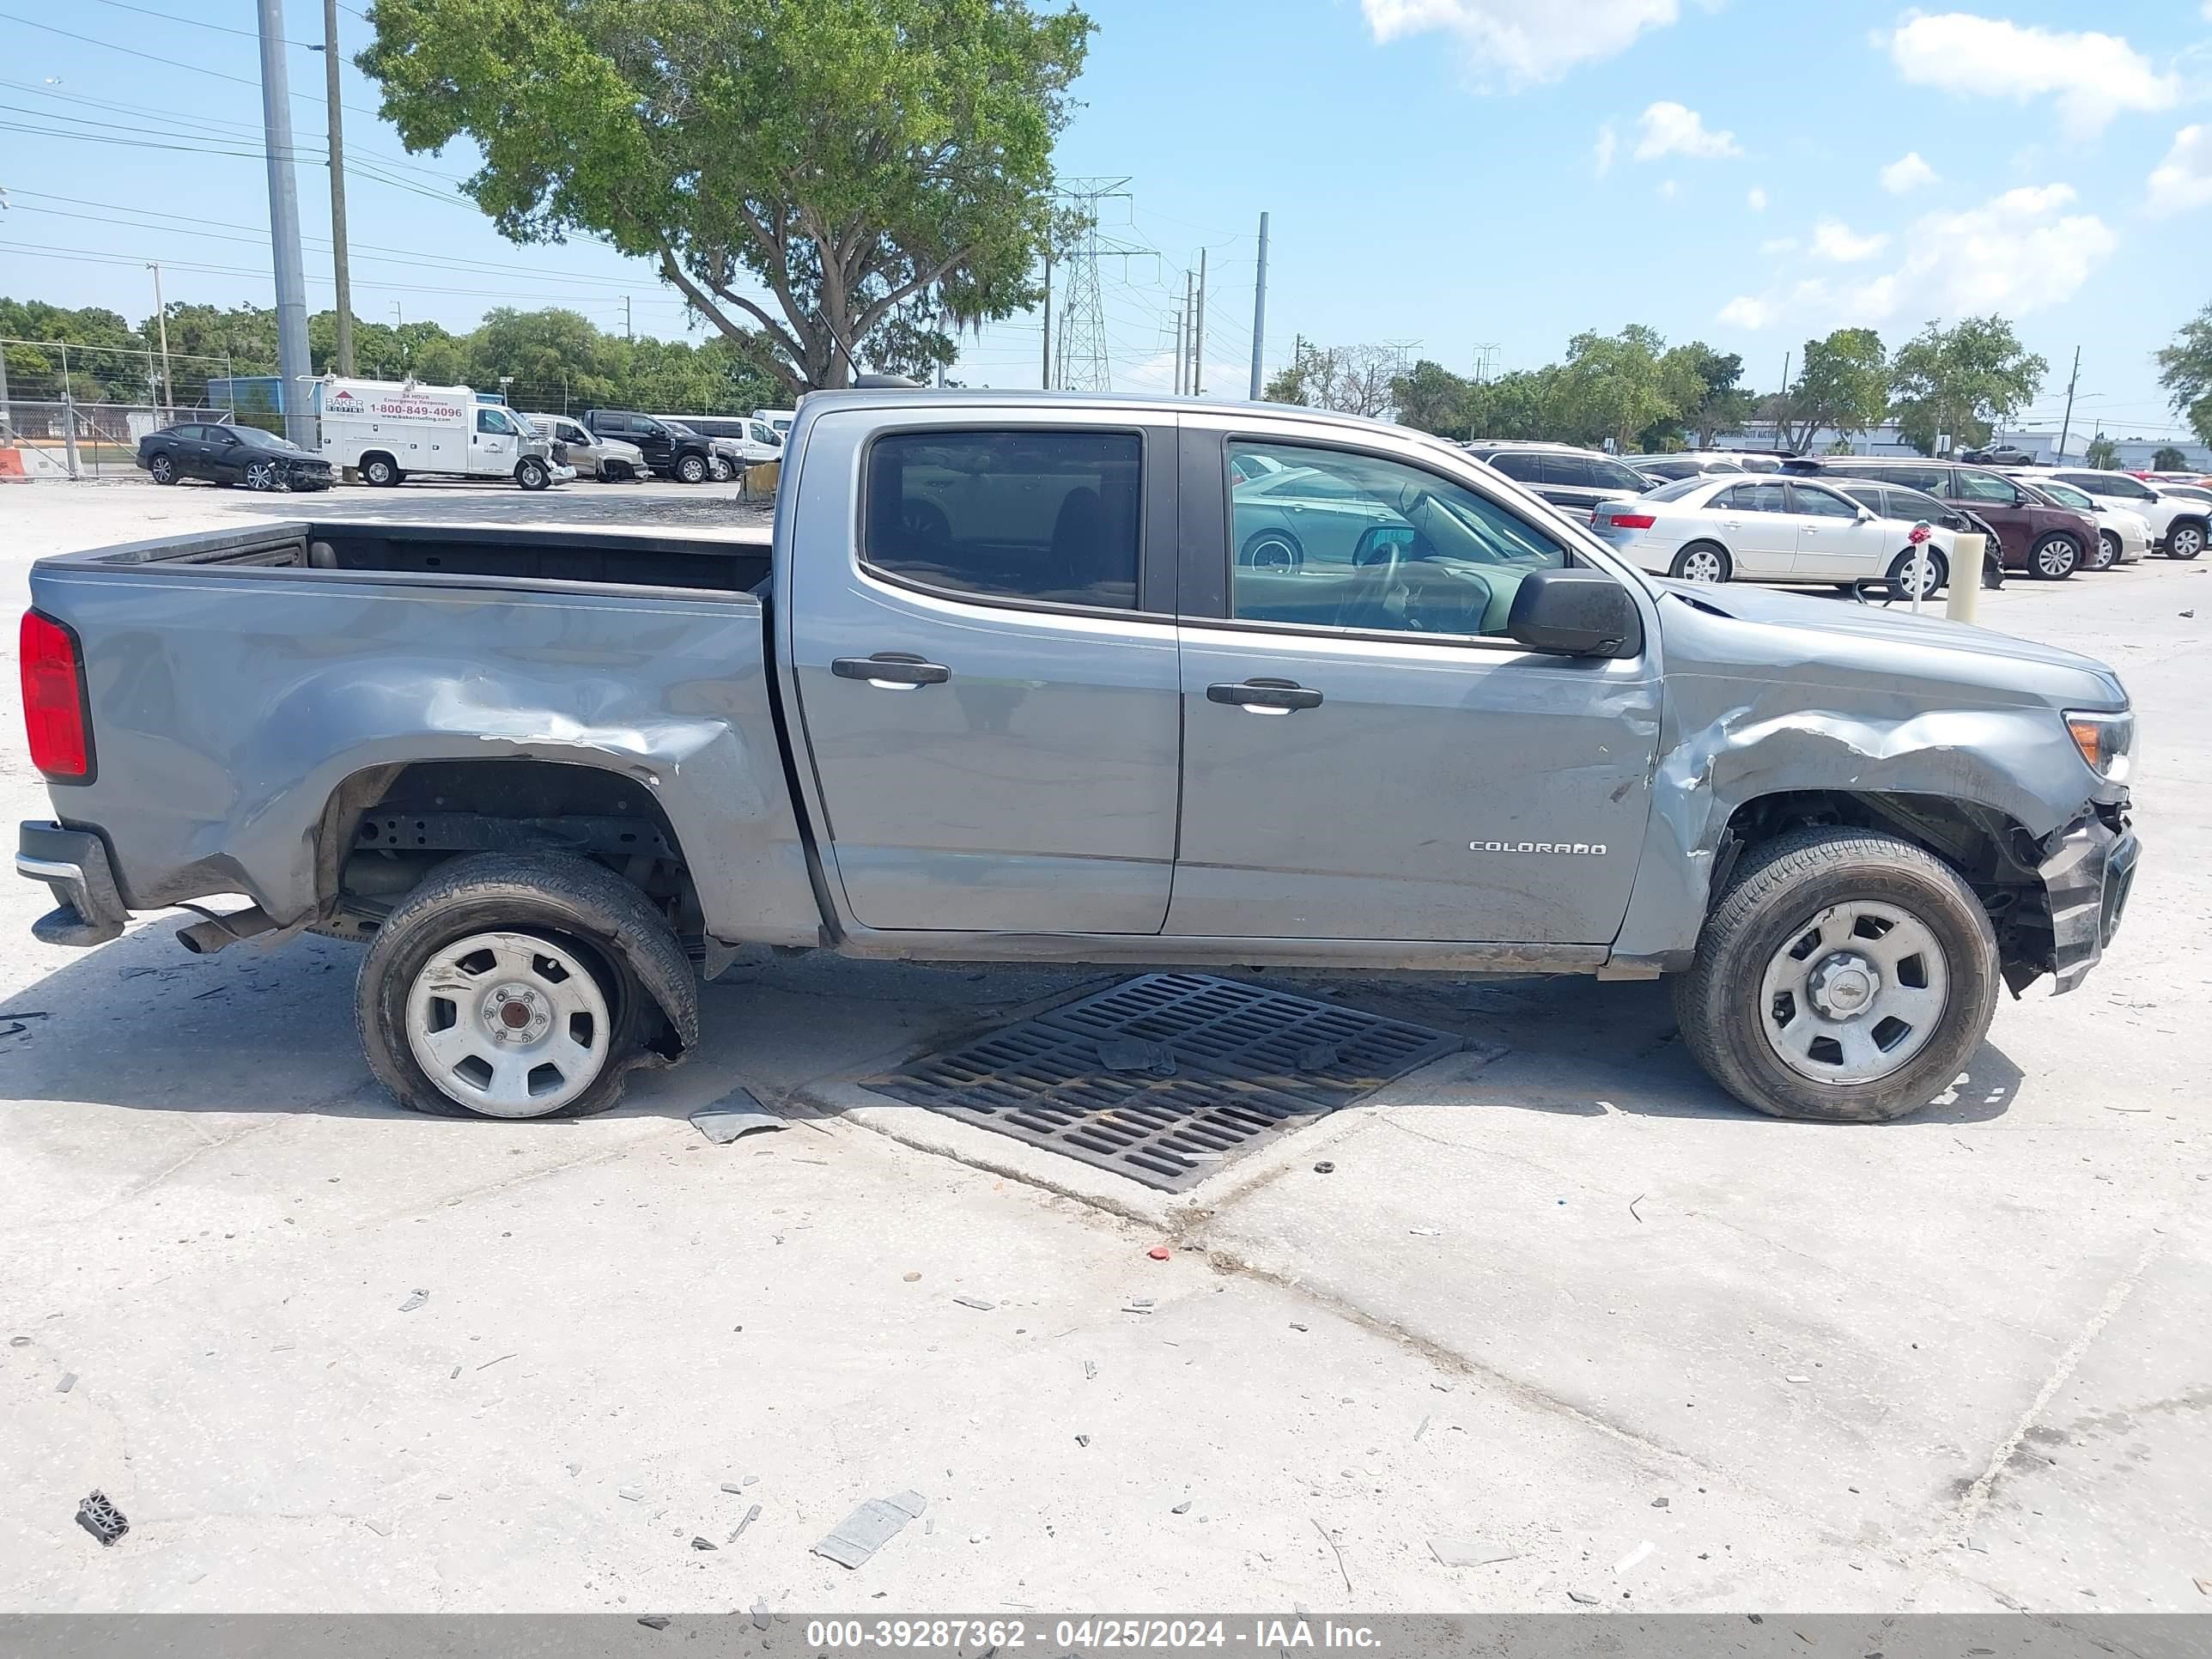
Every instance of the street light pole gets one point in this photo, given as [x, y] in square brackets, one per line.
[340, 265]
[161, 312]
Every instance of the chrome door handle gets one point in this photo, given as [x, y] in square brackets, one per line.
[891, 671]
[1259, 696]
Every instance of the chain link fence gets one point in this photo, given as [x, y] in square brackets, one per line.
[69, 410]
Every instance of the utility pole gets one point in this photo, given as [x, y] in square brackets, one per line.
[1190, 334]
[1044, 371]
[341, 266]
[630, 332]
[294, 366]
[1260, 309]
[2067, 425]
[161, 312]
[1181, 356]
[1197, 335]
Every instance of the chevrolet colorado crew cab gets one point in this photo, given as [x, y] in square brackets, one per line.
[1040, 679]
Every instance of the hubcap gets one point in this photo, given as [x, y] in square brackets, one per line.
[1702, 566]
[1855, 994]
[2188, 543]
[508, 1024]
[2053, 556]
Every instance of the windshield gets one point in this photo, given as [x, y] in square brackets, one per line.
[260, 440]
[2064, 494]
[1680, 488]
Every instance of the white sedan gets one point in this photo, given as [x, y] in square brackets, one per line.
[1725, 527]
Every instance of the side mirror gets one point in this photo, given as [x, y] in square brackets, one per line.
[1576, 613]
[1866, 515]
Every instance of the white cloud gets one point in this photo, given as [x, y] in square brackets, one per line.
[1609, 142]
[2018, 253]
[1744, 311]
[2183, 179]
[2093, 77]
[1907, 173]
[1834, 240]
[1757, 197]
[1667, 188]
[1525, 42]
[1670, 129]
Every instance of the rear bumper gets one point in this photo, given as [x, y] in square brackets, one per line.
[73, 864]
[2088, 878]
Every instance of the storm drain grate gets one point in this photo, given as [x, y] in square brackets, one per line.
[1250, 1065]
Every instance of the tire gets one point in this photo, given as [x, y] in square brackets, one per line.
[2107, 553]
[263, 475]
[722, 471]
[1806, 884]
[381, 470]
[552, 908]
[162, 469]
[2054, 558]
[1702, 557]
[1271, 550]
[1899, 579]
[692, 469]
[533, 474]
[2186, 539]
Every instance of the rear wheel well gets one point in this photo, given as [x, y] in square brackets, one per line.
[385, 830]
[1993, 852]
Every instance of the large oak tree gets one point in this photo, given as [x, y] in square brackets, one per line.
[828, 183]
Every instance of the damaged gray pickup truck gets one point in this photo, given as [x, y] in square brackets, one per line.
[1022, 679]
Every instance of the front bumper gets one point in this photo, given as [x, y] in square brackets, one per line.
[73, 864]
[2088, 878]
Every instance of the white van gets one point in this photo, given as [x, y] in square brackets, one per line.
[393, 430]
[780, 419]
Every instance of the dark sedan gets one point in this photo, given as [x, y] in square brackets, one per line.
[230, 455]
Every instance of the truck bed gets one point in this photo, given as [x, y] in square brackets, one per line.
[737, 565]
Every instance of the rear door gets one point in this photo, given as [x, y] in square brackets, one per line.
[986, 672]
[1760, 534]
[1366, 756]
[1832, 544]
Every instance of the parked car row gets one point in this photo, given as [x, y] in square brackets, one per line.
[1719, 516]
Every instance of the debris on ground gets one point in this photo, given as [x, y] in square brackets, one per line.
[455, 1373]
[869, 1528]
[415, 1299]
[101, 1518]
[1422, 1429]
[1426, 1232]
[1324, 1168]
[1468, 1552]
[751, 1515]
[19, 1341]
[1658, 1503]
[654, 1621]
[1586, 1601]
[760, 1615]
[1159, 1252]
[911, 1278]
[1136, 1054]
[68, 1381]
[1082, 1439]
[1090, 1369]
[737, 1113]
[1634, 1558]
[977, 1303]
[732, 1487]
[750, 1480]
[630, 1492]
[698, 1543]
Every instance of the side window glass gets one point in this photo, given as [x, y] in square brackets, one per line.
[1813, 503]
[1985, 486]
[1395, 549]
[1521, 467]
[1050, 516]
[1769, 498]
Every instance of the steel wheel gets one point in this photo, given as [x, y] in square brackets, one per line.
[1855, 994]
[1701, 563]
[508, 1024]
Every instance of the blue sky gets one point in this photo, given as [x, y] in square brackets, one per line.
[1443, 174]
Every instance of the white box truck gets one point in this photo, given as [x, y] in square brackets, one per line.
[393, 430]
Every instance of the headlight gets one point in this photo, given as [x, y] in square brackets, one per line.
[2104, 740]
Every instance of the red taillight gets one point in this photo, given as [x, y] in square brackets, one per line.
[53, 701]
[1631, 520]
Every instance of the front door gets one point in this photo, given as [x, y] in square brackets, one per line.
[495, 447]
[1761, 535]
[1994, 498]
[1366, 755]
[993, 716]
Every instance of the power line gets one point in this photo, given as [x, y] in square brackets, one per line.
[200, 23]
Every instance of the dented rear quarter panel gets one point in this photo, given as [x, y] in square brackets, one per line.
[229, 706]
[1785, 694]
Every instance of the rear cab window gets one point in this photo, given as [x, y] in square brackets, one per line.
[1027, 515]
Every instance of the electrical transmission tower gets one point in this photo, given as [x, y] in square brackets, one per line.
[1084, 364]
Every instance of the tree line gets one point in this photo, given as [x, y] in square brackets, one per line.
[550, 359]
[1633, 391]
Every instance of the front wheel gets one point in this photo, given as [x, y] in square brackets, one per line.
[2107, 553]
[692, 469]
[2054, 558]
[499, 988]
[1845, 976]
[262, 475]
[723, 471]
[533, 474]
[1906, 575]
[1700, 562]
[2184, 541]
